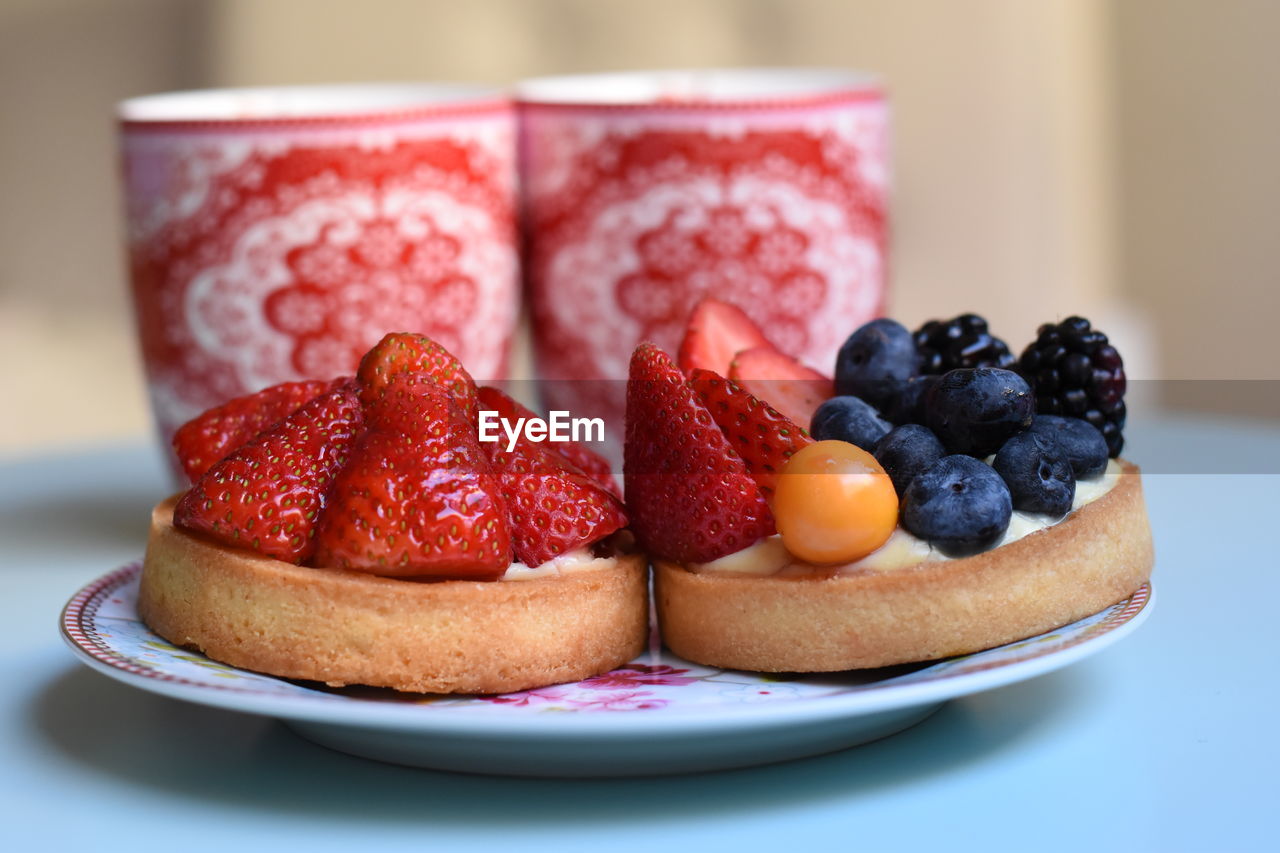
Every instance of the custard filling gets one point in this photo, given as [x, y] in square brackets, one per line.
[769, 557]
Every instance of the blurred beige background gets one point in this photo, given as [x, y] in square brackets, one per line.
[1116, 159]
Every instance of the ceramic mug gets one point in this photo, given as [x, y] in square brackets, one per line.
[643, 192]
[277, 234]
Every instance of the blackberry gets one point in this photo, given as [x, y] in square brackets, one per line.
[1077, 373]
[960, 342]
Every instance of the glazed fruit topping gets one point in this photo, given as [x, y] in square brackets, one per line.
[717, 331]
[907, 406]
[418, 497]
[207, 438]
[949, 389]
[763, 438]
[946, 414]
[1084, 446]
[383, 473]
[1078, 373]
[404, 352]
[689, 494]
[975, 411]
[268, 494]
[876, 359]
[962, 341]
[553, 506]
[1036, 469]
[906, 452]
[834, 503]
[793, 389]
[849, 419]
[959, 505]
[582, 458]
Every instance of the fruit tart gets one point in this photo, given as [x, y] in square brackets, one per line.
[358, 532]
[940, 502]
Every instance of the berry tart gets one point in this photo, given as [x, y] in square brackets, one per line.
[940, 503]
[358, 532]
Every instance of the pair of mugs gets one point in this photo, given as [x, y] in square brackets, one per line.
[277, 234]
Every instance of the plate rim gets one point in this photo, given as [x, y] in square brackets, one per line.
[414, 717]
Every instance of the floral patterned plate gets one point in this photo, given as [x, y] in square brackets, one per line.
[658, 714]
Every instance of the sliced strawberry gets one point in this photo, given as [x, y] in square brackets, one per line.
[581, 457]
[418, 497]
[590, 463]
[553, 505]
[689, 495]
[209, 437]
[716, 332]
[405, 352]
[763, 438]
[771, 375]
[268, 494]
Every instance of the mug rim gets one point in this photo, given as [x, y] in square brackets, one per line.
[254, 107]
[723, 89]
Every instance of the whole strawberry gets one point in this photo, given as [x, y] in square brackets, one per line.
[267, 495]
[405, 352]
[689, 495]
[207, 438]
[553, 506]
[418, 497]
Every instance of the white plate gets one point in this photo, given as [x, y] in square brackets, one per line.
[659, 714]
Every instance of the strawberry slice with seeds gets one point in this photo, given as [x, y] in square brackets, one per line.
[553, 505]
[579, 456]
[794, 390]
[268, 495]
[716, 332]
[405, 352]
[689, 495]
[209, 437]
[590, 463]
[418, 497]
[763, 438]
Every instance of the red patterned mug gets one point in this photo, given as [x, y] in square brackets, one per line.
[645, 191]
[277, 234]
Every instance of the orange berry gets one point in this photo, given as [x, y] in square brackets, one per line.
[834, 503]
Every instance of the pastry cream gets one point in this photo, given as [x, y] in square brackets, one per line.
[770, 557]
[577, 560]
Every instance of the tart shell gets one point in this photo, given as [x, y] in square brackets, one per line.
[935, 609]
[342, 628]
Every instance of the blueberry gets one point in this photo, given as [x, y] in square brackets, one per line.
[849, 419]
[907, 406]
[1035, 468]
[906, 452]
[959, 506]
[976, 410]
[875, 361]
[1085, 447]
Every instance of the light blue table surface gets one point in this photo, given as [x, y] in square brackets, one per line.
[1167, 741]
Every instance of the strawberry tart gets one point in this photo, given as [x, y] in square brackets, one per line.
[358, 532]
[939, 498]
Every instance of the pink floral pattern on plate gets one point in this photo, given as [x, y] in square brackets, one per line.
[102, 622]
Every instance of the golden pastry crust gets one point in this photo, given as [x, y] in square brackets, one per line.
[342, 628]
[936, 609]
